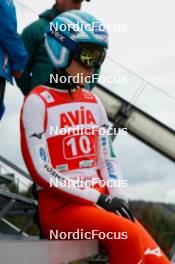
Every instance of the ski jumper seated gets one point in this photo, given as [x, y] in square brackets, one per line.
[68, 157]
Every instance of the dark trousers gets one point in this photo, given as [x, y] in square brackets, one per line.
[2, 90]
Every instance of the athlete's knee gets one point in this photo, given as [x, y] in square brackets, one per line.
[131, 230]
[127, 228]
[129, 233]
[117, 248]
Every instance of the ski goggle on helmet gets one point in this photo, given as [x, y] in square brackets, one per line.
[79, 35]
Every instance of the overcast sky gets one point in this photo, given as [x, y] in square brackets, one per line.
[147, 48]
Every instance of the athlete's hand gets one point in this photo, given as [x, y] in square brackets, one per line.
[17, 74]
[115, 205]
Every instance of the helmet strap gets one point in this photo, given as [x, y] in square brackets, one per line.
[57, 74]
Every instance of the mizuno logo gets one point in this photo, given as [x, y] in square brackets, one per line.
[105, 125]
[155, 252]
[39, 136]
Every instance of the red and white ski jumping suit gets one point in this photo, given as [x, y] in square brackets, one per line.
[50, 154]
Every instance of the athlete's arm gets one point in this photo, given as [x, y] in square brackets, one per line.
[108, 164]
[110, 171]
[36, 155]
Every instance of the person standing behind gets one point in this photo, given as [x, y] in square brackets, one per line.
[13, 55]
[39, 67]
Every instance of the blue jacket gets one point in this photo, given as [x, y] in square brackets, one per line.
[13, 55]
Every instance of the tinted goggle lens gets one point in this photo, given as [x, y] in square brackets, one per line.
[90, 56]
[79, 1]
